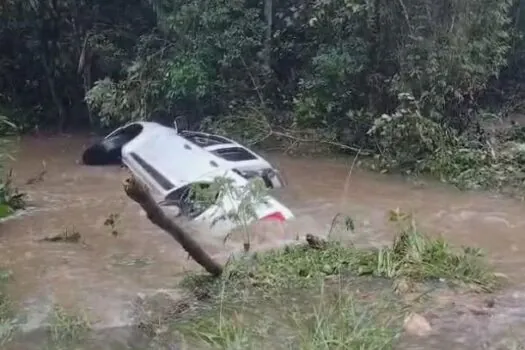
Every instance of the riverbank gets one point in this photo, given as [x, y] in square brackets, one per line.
[324, 295]
[315, 295]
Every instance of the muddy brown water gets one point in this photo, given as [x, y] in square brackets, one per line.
[104, 274]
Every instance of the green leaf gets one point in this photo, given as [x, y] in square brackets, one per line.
[5, 210]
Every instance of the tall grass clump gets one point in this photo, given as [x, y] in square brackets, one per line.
[306, 321]
[412, 255]
[7, 322]
[10, 198]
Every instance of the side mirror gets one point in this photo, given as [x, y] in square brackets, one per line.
[180, 123]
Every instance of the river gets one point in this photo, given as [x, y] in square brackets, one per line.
[104, 273]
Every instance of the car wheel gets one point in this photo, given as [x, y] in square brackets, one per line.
[106, 151]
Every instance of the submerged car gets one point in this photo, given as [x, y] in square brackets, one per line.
[157, 141]
[220, 202]
[173, 164]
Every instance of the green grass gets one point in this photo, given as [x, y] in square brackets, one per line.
[67, 328]
[10, 198]
[412, 256]
[7, 322]
[338, 321]
[305, 298]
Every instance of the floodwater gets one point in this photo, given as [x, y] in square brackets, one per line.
[105, 272]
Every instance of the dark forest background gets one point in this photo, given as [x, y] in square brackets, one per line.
[416, 84]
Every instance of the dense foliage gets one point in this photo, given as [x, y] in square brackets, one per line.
[411, 81]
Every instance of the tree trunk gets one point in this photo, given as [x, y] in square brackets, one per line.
[138, 193]
[49, 34]
[54, 95]
[268, 13]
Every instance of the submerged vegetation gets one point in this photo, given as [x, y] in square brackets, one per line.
[10, 199]
[67, 328]
[7, 324]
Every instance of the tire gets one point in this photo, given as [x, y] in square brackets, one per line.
[106, 151]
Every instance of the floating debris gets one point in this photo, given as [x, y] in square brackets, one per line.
[67, 236]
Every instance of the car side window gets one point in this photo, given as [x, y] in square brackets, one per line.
[193, 199]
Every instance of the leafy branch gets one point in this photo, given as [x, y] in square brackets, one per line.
[222, 191]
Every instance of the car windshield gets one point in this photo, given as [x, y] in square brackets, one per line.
[194, 199]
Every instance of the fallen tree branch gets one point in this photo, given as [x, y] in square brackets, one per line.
[289, 135]
[268, 131]
[138, 193]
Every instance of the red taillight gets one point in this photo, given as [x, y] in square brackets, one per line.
[276, 216]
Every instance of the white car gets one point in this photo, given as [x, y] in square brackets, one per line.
[171, 164]
[227, 153]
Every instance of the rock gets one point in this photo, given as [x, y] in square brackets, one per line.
[402, 286]
[478, 311]
[315, 242]
[416, 325]
[159, 307]
[490, 302]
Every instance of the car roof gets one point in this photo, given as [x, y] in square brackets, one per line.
[171, 155]
[177, 158]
